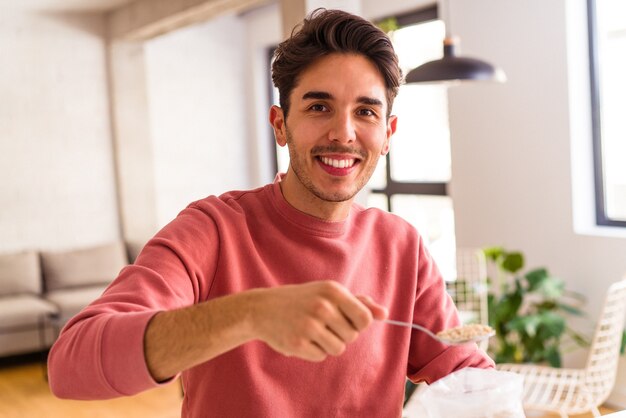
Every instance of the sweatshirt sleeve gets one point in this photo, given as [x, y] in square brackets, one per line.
[100, 352]
[430, 360]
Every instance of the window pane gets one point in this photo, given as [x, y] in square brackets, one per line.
[379, 178]
[433, 216]
[421, 144]
[377, 200]
[611, 24]
[282, 154]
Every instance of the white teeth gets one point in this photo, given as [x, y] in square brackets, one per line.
[337, 163]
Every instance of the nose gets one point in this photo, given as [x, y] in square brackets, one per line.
[342, 128]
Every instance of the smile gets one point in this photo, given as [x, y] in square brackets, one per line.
[345, 163]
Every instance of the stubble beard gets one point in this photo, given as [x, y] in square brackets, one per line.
[298, 167]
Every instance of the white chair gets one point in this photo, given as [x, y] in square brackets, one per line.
[577, 391]
[469, 290]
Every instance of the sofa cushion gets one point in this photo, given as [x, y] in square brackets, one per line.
[72, 301]
[20, 273]
[83, 267]
[23, 310]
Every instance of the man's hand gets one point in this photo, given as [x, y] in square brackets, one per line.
[313, 320]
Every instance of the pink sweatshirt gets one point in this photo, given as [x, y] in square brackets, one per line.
[250, 239]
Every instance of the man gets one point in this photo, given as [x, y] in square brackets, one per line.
[269, 301]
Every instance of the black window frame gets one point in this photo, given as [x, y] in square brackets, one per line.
[393, 187]
[602, 218]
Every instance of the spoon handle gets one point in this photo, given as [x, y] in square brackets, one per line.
[411, 325]
[448, 341]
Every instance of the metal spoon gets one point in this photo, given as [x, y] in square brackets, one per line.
[447, 341]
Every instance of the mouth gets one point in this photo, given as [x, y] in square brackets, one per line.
[337, 165]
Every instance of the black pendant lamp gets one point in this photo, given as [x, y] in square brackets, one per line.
[453, 69]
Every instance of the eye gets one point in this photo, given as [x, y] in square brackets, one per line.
[366, 112]
[317, 107]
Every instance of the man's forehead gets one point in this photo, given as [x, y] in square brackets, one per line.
[344, 60]
[341, 74]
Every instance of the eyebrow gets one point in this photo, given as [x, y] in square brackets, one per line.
[322, 95]
[369, 101]
[316, 95]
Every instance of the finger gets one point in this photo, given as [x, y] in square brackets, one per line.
[327, 312]
[361, 310]
[299, 348]
[331, 316]
[330, 343]
[378, 311]
[356, 313]
[343, 329]
[313, 352]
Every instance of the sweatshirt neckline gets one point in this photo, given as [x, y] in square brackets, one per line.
[304, 221]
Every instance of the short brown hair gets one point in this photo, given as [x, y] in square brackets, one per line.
[328, 31]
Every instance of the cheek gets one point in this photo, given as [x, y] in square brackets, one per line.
[376, 141]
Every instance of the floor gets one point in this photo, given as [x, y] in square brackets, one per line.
[24, 393]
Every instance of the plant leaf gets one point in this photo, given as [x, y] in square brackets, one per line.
[493, 253]
[570, 309]
[575, 295]
[507, 308]
[535, 278]
[525, 324]
[580, 339]
[552, 287]
[551, 325]
[388, 25]
[512, 262]
[553, 356]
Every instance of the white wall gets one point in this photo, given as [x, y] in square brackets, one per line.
[198, 102]
[263, 31]
[57, 187]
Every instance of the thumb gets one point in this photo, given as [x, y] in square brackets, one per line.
[379, 312]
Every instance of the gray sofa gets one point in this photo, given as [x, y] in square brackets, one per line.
[40, 291]
[23, 310]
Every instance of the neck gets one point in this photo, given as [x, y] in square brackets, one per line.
[298, 196]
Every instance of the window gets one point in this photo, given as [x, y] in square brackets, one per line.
[412, 181]
[607, 47]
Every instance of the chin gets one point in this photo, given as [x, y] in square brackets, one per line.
[335, 197]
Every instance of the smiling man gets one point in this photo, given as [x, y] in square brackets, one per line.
[269, 301]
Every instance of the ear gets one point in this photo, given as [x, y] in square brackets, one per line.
[392, 122]
[277, 120]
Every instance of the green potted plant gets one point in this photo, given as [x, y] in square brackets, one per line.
[529, 312]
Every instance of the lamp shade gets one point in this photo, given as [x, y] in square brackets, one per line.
[454, 69]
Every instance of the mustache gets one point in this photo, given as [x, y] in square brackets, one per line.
[337, 149]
